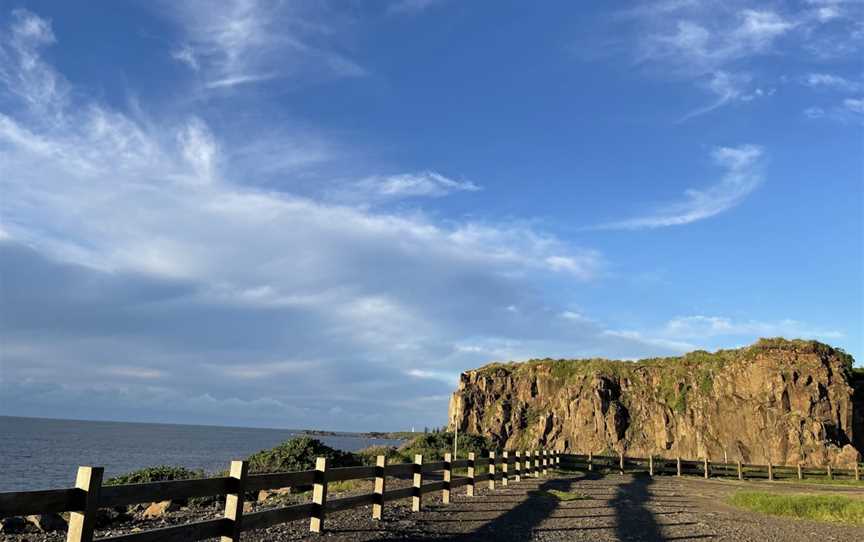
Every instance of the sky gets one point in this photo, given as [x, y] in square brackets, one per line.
[317, 214]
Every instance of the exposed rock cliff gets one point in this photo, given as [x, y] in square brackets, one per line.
[778, 400]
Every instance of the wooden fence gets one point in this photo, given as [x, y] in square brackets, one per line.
[705, 468]
[88, 495]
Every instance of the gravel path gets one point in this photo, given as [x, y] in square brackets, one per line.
[616, 508]
[619, 508]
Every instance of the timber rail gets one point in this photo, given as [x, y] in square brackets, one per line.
[88, 495]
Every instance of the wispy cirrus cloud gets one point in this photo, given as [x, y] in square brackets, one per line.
[214, 290]
[410, 7]
[243, 42]
[719, 46]
[700, 327]
[742, 176]
[428, 184]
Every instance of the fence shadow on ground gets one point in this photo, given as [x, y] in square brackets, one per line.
[633, 520]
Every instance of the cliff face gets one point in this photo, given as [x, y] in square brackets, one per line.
[777, 400]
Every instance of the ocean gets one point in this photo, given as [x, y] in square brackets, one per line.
[38, 453]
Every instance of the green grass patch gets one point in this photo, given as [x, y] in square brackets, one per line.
[563, 495]
[826, 482]
[831, 508]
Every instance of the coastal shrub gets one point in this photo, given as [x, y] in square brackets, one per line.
[159, 473]
[433, 446]
[298, 454]
[368, 455]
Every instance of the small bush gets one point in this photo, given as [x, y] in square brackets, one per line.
[299, 454]
[368, 456]
[832, 508]
[159, 473]
[433, 446]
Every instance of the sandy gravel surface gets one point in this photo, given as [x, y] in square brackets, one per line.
[618, 508]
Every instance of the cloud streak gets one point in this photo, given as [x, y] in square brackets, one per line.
[742, 176]
[194, 288]
[243, 42]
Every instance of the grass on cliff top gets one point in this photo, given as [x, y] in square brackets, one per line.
[831, 508]
[699, 360]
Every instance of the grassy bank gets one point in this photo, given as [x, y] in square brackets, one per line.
[833, 508]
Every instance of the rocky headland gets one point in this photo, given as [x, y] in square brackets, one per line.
[777, 400]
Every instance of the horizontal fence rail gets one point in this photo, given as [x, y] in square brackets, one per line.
[706, 468]
[89, 495]
[502, 467]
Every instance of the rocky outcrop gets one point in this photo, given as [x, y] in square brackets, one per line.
[777, 400]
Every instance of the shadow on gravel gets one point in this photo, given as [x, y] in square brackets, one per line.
[633, 519]
[517, 523]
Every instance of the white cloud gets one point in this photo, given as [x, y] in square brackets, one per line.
[402, 7]
[406, 185]
[856, 105]
[704, 327]
[719, 46]
[831, 82]
[241, 42]
[204, 281]
[742, 176]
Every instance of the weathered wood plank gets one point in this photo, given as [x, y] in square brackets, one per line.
[268, 518]
[199, 530]
[396, 494]
[432, 486]
[161, 491]
[432, 467]
[22, 503]
[350, 473]
[350, 502]
[400, 469]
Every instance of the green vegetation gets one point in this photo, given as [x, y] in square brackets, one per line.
[563, 495]
[826, 482]
[158, 473]
[433, 446]
[833, 508]
[299, 454]
[682, 380]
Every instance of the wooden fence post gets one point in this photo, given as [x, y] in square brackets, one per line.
[830, 473]
[621, 462]
[417, 494]
[81, 523]
[678, 466]
[558, 458]
[535, 464]
[800, 474]
[518, 466]
[770, 472]
[380, 485]
[740, 471]
[469, 489]
[590, 462]
[445, 491]
[319, 495]
[545, 458]
[234, 501]
[491, 470]
[650, 465]
[706, 466]
[504, 467]
[857, 472]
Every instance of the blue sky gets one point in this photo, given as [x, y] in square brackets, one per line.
[317, 214]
